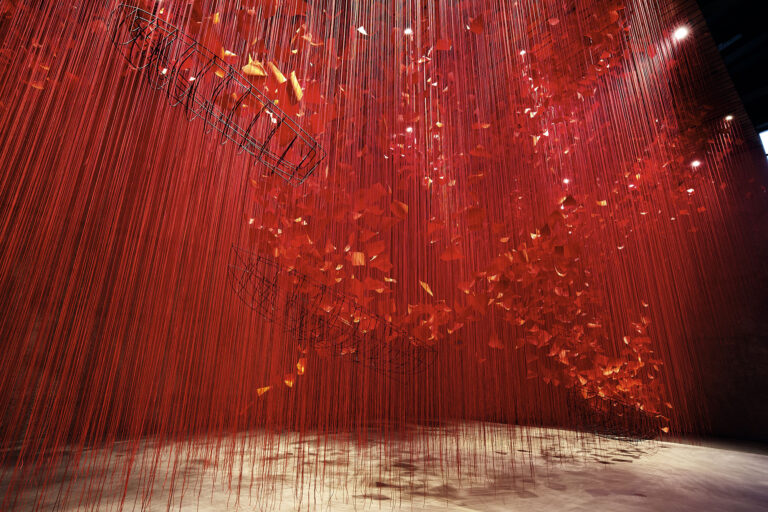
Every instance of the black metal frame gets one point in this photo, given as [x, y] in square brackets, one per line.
[323, 318]
[196, 78]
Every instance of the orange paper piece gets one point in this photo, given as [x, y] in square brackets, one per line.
[358, 259]
[495, 342]
[297, 92]
[399, 210]
[276, 73]
[254, 68]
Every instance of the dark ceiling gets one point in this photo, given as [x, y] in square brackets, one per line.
[739, 30]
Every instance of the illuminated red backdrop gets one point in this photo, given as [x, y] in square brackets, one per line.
[557, 206]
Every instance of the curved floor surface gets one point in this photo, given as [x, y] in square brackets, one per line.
[501, 469]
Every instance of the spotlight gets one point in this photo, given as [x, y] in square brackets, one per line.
[408, 31]
[729, 118]
[409, 129]
[566, 181]
[696, 163]
[681, 33]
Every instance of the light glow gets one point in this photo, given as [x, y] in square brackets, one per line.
[681, 33]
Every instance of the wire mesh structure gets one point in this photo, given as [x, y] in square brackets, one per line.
[209, 88]
[330, 322]
[611, 418]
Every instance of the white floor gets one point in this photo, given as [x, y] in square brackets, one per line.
[483, 467]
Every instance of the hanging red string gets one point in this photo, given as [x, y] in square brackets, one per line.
[527, 213]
